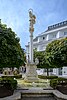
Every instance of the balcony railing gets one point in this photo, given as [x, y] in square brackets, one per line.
[57, 25]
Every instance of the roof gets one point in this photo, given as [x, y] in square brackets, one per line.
[50, 28]
[55, 26]
[58, 25]
[35, 39]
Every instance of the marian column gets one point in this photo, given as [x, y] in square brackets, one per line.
[31, 74]
[31, 30]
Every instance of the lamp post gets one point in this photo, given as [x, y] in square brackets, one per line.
[31, 30]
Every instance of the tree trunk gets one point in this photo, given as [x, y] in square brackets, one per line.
[47, 72]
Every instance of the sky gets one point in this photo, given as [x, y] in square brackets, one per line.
[15, 14]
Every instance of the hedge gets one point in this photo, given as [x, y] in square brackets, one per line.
[11, 81]
[58, 81]
[12, 76]
[47, 77]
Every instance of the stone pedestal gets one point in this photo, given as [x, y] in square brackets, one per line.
[31, 74]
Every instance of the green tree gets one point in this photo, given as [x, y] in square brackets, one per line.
[11, 54]
[24, 56]
[56, 53]
[40, 55]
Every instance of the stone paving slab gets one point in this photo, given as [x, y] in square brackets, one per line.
[15, 96]
[37, 90]
[59, 95]
[41, 90]
[17, 93]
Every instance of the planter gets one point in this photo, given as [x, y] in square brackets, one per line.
[5, 90]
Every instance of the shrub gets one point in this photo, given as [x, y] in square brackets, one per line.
[10, 81]
[47, 77]
[53, 83]
[18, 76]
[14, 84]
[12, 76]
[7, 86]
[62, 81]
[7, 76]
[58, 81]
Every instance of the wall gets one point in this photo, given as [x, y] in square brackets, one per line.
[64, 71]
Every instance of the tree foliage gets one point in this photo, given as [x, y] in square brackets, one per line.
[40, 55]
[56, 53]
[24, 56]
[11, 54]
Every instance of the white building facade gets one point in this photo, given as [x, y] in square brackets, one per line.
[53, 32]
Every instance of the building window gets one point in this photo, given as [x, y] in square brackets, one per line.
[65, 33]
[60, 71]
[43, 38]
[35, 49]
[42, 48]
[53, 36]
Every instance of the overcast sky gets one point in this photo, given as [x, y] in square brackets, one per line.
[15, 14]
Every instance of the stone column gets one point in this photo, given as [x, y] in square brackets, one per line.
[31, 30]
[31, 74]
[31, 48]
[58, 34]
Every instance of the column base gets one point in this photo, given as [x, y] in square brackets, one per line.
[31, 74]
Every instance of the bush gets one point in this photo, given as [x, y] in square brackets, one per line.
[18, 76]
[58, 81]
[10, 81]
[62, 81]
[14, 84]
[7, 86]
[13, 76]
[53, 83]
[7, 76]
[47, 77]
